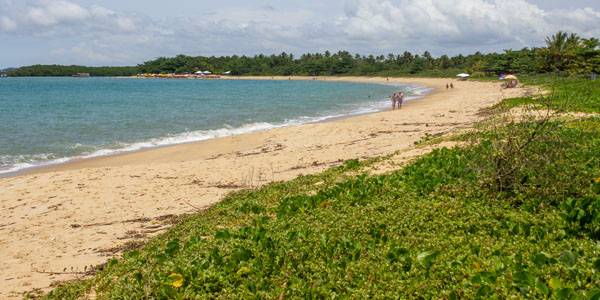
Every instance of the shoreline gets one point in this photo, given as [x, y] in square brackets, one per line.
[50, 166]
[72, 215]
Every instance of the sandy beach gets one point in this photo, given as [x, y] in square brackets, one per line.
[75, 215]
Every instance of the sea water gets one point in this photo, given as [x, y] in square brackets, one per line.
[46, 121]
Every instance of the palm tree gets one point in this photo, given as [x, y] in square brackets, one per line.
[556, 48]
[477, 68]
[572, 41]
[559, 48]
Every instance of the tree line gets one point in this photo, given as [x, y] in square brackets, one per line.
[565, 54]
[58, 70]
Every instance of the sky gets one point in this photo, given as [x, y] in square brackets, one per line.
[129, 32]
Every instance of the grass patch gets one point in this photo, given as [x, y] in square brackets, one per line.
[572, 94]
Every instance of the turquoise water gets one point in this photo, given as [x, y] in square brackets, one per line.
[52, 120]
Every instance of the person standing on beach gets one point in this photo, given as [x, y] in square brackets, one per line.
[400, 99]
[451, 85]
[394, 101]
[447, 86]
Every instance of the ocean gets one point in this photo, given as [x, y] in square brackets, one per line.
[46, 121]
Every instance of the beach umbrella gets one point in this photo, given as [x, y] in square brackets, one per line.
[198, 72]
[207, 72]
[510, 76]
[463, 75]
[501, 76]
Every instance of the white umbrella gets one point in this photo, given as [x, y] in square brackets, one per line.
[207, 72]
[462, 75]
[198, 72]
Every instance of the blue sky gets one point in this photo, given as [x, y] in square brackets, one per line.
[127, 32]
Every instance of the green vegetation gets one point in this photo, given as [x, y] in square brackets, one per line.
[514, 215]
[564, 55]
[57, 70]
[566, 91]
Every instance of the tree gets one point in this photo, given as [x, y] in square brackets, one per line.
[477, 69]
[417, 65]
[557, 50]
[586, 57]
[444, 62]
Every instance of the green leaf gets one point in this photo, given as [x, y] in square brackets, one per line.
[524, 278]
[161, 258]
[483, 291]
[173, 244]
[593, 295]
[597, 264]
[542, 287]
[515, 230]
[390, 256]
[358, 246]
[564, 293]
[222, 234]
[453, 296]
[112, 262]
[292, 235]
[455, 264]
[138, 276]
[555, 283]
[401, 251]
[426, 258]
[596, 187]
[132, 254]
[540, 259]
[172, 247]
[488, 277]
[568, 259]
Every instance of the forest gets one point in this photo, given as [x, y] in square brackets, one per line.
[58, 70]
[565, 54]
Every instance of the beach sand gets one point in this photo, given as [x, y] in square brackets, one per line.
[75, 215]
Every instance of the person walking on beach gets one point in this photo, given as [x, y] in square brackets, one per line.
[400, 99]
[394, 101]
[451, 85]
[447, 86]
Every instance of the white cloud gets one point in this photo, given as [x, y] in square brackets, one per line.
[101, 12]
[463, 22]
[125, 24]
[55, 12]
[61, 18]
[7, 24]
[364, 26]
